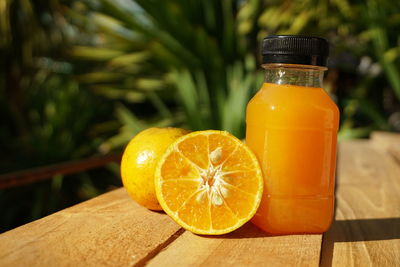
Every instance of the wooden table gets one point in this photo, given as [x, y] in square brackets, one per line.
[113, 230]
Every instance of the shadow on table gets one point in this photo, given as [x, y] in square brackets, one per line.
[356, 231]
[248, 230]
[340, 231]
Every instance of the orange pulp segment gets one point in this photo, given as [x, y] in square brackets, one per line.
[209, 182]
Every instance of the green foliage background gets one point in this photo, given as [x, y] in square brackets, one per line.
[80, 78]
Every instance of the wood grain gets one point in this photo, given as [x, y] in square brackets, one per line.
[367, 227]
[110, 230]
[388, 142]
[247, 246]
[113, 230]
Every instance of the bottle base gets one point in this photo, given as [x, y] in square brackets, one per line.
[294, 232]
[284, 216]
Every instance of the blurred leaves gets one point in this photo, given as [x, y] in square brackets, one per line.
[48, 115]
[94, 53]
[199, 57]
[386, 54]
[195, 54]
[356, 30]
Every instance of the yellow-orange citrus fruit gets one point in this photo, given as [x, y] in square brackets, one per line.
[139, 161]
[209, 182]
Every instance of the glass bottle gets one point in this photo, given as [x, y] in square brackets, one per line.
[292, 128]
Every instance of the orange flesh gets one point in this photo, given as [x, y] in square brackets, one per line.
[209, 183]
[293, 130]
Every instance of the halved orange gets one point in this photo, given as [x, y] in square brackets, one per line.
[209, 182]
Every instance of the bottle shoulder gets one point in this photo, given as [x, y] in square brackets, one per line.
[293, 105]
[283, 96]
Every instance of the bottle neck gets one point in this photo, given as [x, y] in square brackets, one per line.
[301, 75]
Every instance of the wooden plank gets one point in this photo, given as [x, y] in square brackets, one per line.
[367, 227]
[110, 230]
[113, 230]
[246, 246]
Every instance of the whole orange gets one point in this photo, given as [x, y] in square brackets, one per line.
[139, 161]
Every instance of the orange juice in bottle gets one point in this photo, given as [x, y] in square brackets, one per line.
[292, 128]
